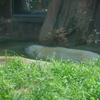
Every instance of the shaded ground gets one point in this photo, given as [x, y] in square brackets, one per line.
[16, 46]
[92, 47]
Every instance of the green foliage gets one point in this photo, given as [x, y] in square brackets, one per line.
[63, 80]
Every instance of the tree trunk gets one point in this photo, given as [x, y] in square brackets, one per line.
[68, 23]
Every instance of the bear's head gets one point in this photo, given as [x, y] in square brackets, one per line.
[33, 50]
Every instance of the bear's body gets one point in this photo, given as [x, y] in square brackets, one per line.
[41, 52]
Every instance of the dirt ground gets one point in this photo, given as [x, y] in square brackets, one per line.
[16, 47]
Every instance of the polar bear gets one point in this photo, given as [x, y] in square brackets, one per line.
[42, 52]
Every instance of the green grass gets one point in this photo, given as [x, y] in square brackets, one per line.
[57, 81]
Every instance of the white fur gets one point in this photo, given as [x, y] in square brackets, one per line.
[41, 52]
